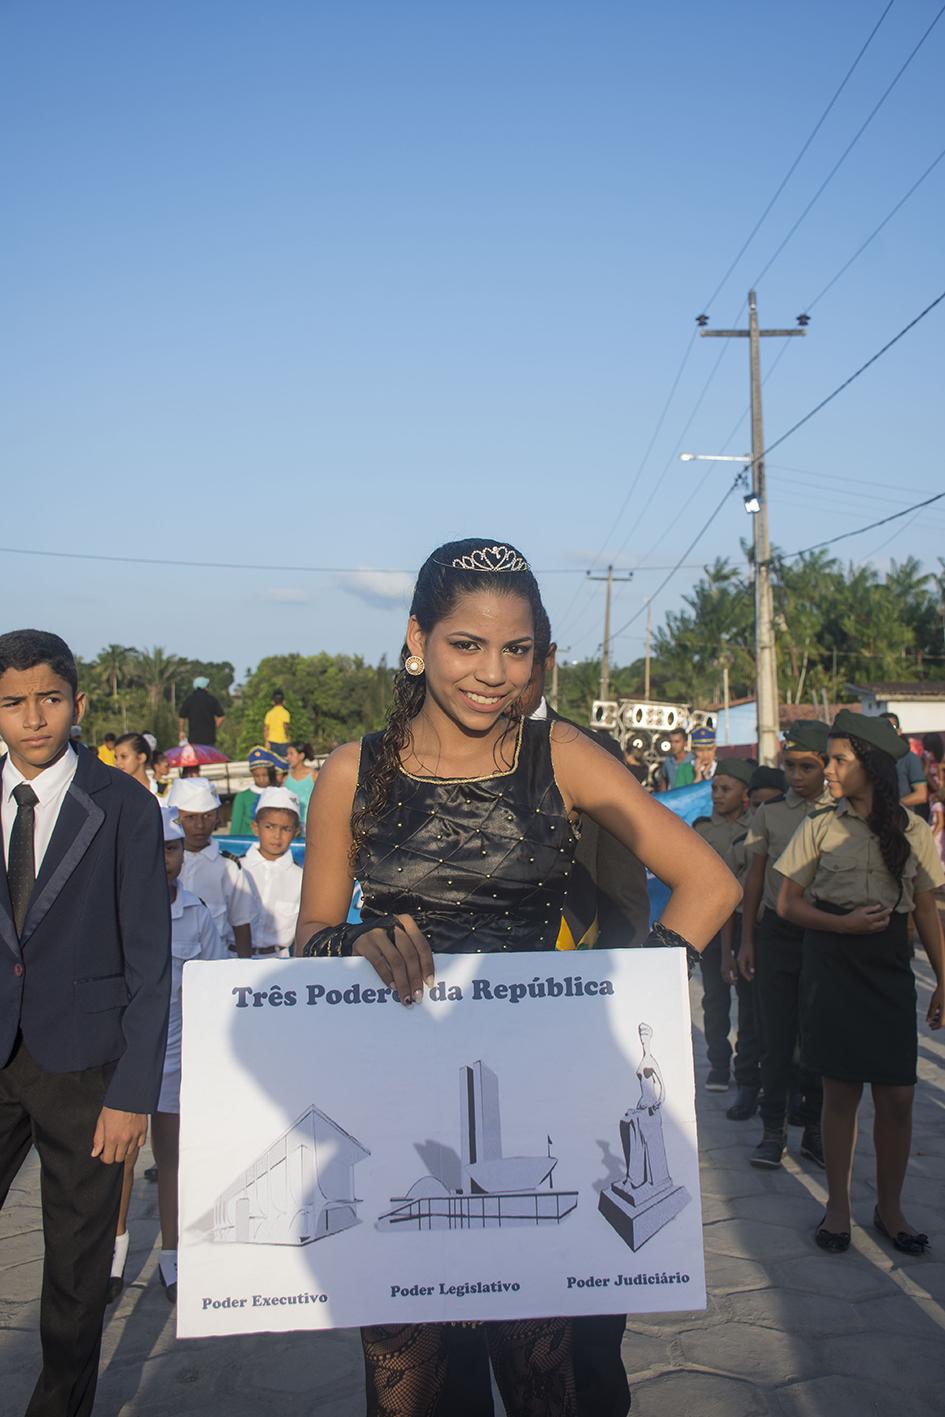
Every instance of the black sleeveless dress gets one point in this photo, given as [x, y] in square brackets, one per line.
[482, 864]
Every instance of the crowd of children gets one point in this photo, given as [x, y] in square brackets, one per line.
[222, 905]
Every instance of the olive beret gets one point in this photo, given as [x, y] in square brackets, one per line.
[806, 735]
[768, 777]
[742, 768]
[878, 732]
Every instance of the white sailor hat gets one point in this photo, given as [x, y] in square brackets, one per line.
[173, 831]
[192, 794]
[279, 797]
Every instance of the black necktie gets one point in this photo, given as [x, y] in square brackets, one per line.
[21, 860]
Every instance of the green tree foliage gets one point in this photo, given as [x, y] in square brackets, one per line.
[332, 698]
[835, 624]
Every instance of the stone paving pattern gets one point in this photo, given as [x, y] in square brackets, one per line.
[789, 1331]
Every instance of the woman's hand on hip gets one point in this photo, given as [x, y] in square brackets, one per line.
[404, 962]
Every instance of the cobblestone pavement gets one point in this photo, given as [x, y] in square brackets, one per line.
[789, 1331]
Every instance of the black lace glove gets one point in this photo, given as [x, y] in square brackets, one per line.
[662, 937]
[337, 940]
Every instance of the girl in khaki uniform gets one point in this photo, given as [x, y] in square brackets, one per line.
[863, 865]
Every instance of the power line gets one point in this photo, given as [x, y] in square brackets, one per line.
[889, 539]
[844, 536]
[794, 165]
[873, 234]
[256, 566]
[862, 370]
[678, 566]
[849, 148]
[567, 616]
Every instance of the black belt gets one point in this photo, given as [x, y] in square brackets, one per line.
[263, 949]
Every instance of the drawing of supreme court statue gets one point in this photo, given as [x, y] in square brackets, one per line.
[645, 1199]
[300, 1189]
[488, 1190]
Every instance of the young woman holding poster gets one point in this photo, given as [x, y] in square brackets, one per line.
[459, 820]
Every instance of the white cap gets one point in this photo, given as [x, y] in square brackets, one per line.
[192, 794]
[279, 797]
[173, 831]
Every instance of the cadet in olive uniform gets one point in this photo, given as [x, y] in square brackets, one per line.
[771, 949]
[763, 784]
[729, 822]
[852, 873]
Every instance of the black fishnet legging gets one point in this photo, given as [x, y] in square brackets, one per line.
[405, 1367]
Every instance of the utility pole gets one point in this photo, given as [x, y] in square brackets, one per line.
[605, 643]
[766, 662]
[646, 657]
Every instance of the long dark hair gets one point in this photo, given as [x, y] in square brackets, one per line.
[440, 583]
[888, 818]
[139, 744]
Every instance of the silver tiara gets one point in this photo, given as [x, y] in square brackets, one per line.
[491, 558]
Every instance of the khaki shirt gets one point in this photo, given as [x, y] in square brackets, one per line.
[722, 833]
[771, 829]
[836, 857]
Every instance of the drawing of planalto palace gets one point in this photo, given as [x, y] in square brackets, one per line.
[494, 1190]
[300, 1189]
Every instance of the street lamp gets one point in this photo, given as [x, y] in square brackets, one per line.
[715, 457]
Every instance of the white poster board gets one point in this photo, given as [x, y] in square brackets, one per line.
[522, 1143]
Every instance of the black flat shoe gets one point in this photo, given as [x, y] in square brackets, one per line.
[910, 1243]
[745, 1105]
[833, 1241]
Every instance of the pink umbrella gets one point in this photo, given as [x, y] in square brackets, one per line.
[189, 754]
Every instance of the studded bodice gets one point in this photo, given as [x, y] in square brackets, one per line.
[482, 864]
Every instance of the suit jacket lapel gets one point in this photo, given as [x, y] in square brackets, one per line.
[7, 927]
[79, 820]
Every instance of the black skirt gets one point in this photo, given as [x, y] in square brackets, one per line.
[858, 1014]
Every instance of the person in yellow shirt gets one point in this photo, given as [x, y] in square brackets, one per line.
[106, 750]
[276, 725]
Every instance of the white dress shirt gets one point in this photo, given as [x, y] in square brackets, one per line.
[228, 891]
[50, 786]
[279, 884]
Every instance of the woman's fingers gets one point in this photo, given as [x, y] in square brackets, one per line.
[404, 963]
[370, 947]
[424, 953]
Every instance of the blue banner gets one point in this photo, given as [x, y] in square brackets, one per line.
[689, 803]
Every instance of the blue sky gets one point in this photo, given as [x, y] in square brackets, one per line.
[311, 284]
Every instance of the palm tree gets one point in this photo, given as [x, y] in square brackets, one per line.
[112, 665]
[157, 670]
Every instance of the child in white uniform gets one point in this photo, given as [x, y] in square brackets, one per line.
[209, 873]
[193, 936]
[277, 878]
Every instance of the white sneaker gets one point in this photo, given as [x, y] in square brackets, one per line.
[116, 1282]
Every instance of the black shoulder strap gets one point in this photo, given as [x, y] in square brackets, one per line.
[231, 857]
[821, 811]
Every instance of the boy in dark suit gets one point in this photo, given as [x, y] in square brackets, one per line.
[84, 991]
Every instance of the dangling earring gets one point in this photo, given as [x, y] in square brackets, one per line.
[414, 665]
